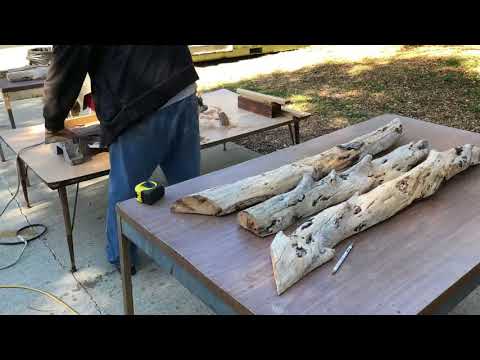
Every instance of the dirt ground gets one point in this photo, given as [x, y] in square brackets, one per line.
[341, 86]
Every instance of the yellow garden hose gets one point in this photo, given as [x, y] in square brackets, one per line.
[47, 294]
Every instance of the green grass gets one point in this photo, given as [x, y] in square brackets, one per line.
[453, 62]
[444, 89]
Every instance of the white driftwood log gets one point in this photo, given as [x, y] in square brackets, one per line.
[309, 197]
[311, 245]
[27, 73]
[225, 199]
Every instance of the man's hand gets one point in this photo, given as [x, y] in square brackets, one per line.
[57, 136]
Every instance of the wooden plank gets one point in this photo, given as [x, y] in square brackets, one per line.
[296, 113]
[81, 120]
[270, 110]
[264, 98]
[401, 266]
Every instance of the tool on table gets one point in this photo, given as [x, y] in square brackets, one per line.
[149, 192]
[266, 105]
[78, 141]
[342, 259]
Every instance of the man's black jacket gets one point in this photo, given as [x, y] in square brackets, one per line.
[128, 82]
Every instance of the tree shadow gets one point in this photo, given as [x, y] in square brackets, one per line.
[442, 90]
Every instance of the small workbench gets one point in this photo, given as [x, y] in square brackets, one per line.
[425, 259]
[57, 174]
[9, 88]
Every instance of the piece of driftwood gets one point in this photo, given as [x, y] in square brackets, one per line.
[27, 73]
[225, 199]
[270, 110]
[213, 117]
[267, 99]
[311, 244]
[309, 197]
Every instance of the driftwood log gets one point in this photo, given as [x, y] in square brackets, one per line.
[27, 73]
[309, 197]
[311, 245]
[225, 199]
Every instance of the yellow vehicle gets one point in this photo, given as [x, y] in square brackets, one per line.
[202, 53]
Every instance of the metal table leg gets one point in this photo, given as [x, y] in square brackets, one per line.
[22, 172]
[2, 155]
[62, 192]
[8, 106]
[26, 175]
[125, 265]
[296, 125]
[292, 136]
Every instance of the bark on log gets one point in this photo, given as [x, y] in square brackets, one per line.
[225, 199]
[309, 197]
[311, 245]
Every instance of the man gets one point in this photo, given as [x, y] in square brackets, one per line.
[84, 99]
[145, 100]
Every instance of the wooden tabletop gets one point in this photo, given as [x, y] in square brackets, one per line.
[50, 167]
[401, 266]
[8, 86]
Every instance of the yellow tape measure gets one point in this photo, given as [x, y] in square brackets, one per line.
[149, 192]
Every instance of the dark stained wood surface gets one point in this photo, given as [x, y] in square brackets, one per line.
[401, 266]
[270, 110]
[9, 86]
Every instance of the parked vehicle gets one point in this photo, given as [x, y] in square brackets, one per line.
[202, 53]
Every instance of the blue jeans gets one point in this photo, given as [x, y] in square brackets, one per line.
[169, 138]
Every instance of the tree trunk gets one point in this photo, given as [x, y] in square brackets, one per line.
[308, 198]
[312, 243]
[244, 193]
